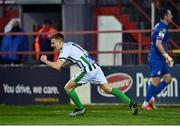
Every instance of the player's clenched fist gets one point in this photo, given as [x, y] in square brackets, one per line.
[43, 58]
[168, 59]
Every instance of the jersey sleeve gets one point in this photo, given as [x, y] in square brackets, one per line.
[161, 34]
[64, 54]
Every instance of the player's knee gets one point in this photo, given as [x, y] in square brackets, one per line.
[106, 88]
[155, 81]
[168, 80]
[108, 91]
[70, 86]
[66, 88]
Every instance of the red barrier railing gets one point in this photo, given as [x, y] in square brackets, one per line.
[87, 32]
[140, 46]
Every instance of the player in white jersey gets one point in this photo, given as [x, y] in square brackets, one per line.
[71, 53]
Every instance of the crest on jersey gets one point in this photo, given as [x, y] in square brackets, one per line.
[159, 72]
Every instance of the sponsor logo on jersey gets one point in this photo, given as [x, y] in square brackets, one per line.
[161, 34]
[122, 81]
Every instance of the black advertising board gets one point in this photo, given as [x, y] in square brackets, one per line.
[133, 81]
[23, 85]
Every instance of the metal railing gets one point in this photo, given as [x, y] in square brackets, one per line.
[139, 49]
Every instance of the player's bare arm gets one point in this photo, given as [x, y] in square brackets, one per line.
[66, 64]
[160, 46]
[168, 58]
[55, 65]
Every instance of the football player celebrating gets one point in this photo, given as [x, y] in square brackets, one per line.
[90, 72]
[159, 60]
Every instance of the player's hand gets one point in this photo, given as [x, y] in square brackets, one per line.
[43, 58]
[168, 59]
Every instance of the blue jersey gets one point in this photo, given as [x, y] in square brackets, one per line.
[157, 64]
[160, 32]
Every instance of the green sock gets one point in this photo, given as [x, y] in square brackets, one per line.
[74, 97]
[120, 95]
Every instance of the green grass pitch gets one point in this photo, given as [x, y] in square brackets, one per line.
[96, 115]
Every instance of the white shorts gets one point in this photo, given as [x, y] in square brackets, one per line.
[95, 77]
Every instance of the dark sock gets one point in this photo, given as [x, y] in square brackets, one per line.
[159, 88]
[150, 92]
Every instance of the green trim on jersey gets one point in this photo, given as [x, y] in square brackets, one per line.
[82, 61]
[78, 78]
[78, 61]
[85, 60]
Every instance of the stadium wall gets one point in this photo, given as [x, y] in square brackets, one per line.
[26, 85]
[76, 16]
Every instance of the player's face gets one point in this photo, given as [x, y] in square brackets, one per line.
[169, 16]
[56, 43]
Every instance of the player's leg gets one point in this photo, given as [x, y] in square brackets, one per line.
[164, 82]
[151, 89]
[156, 72]
[69, 88]
[166, 79]
[99, 79]
[114, 91]
[117, 93]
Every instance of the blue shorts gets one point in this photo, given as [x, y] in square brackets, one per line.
[158, 67]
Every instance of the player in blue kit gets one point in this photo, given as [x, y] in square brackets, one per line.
[159, 60]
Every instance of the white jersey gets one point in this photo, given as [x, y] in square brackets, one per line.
[73, 52]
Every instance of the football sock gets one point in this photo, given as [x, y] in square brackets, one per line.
[145, 103]
[74, 97]
[152, 98]
[120, 95]
[159, 88]
[150, 92]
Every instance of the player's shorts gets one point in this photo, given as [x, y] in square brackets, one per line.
[95, 76]
[158, 67]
